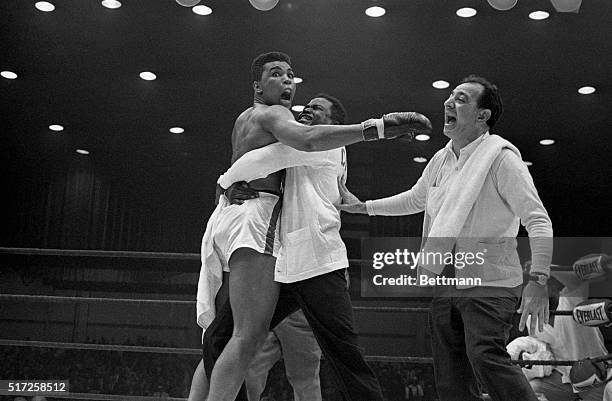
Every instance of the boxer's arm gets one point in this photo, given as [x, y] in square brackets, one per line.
[261, 162]
[311, 138]
[280, 122]
[516, 186]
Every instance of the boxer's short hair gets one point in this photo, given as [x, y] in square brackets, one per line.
[262, 59]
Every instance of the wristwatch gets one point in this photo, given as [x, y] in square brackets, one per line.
[539, 278]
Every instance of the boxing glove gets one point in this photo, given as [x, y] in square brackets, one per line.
[394, 125]
[593, 313]
[586, 374]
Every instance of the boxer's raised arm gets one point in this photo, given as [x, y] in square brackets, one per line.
[311, 138]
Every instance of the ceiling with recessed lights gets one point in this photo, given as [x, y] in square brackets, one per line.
[80, 66]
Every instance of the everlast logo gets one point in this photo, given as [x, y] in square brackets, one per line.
[591, 316]
[584, 272]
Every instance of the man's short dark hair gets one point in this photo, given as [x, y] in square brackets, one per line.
[338, 112]
[489, 98]
[259, 61]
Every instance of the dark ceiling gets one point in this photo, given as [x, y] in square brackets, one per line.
[78, 66]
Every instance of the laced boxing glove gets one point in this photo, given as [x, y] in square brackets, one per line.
[394, 125]
[587, 374]
[593, 313]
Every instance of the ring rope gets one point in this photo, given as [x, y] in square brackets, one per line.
[175, 351]
[94, 253]
[65, 299]
[603, 358]
[113, 254]
[149, 255]
[101, 347]
[546, 362]
[196, 351]
[398, 359]
[390, 309]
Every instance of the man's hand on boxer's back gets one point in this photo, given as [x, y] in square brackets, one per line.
[239, 192]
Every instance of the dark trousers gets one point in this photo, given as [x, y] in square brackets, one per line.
[327, 306]
[470, 330]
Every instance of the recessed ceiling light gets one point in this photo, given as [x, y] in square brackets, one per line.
[539, 15]
[502, 5]
[566, 6]
[297, 108]
[440, 84]
[8, 74]
[419, 159]
[547, 142]
[148, 76]
[298, 80]
[586, 90]
[112, 4]
[188, 3]
[202, 10]
[56, 127]
[82, 151]
[263, 5]
[466, 12]
[527, 163]
[177, 130]
[44, 6]
[422, 137]
[375, 11]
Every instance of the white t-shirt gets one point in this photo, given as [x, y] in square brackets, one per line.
[310, 220]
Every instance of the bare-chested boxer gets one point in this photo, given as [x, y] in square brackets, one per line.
[246, 238]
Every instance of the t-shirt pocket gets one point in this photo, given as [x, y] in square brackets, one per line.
[300, 251]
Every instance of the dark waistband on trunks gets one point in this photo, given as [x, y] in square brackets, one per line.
[272, 184]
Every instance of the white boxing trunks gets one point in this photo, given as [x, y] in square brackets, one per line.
[254, 224]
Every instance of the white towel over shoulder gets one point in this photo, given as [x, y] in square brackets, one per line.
[463, 194]
[211, 272]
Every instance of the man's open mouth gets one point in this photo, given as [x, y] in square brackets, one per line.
[305, 117]
[286, 95]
